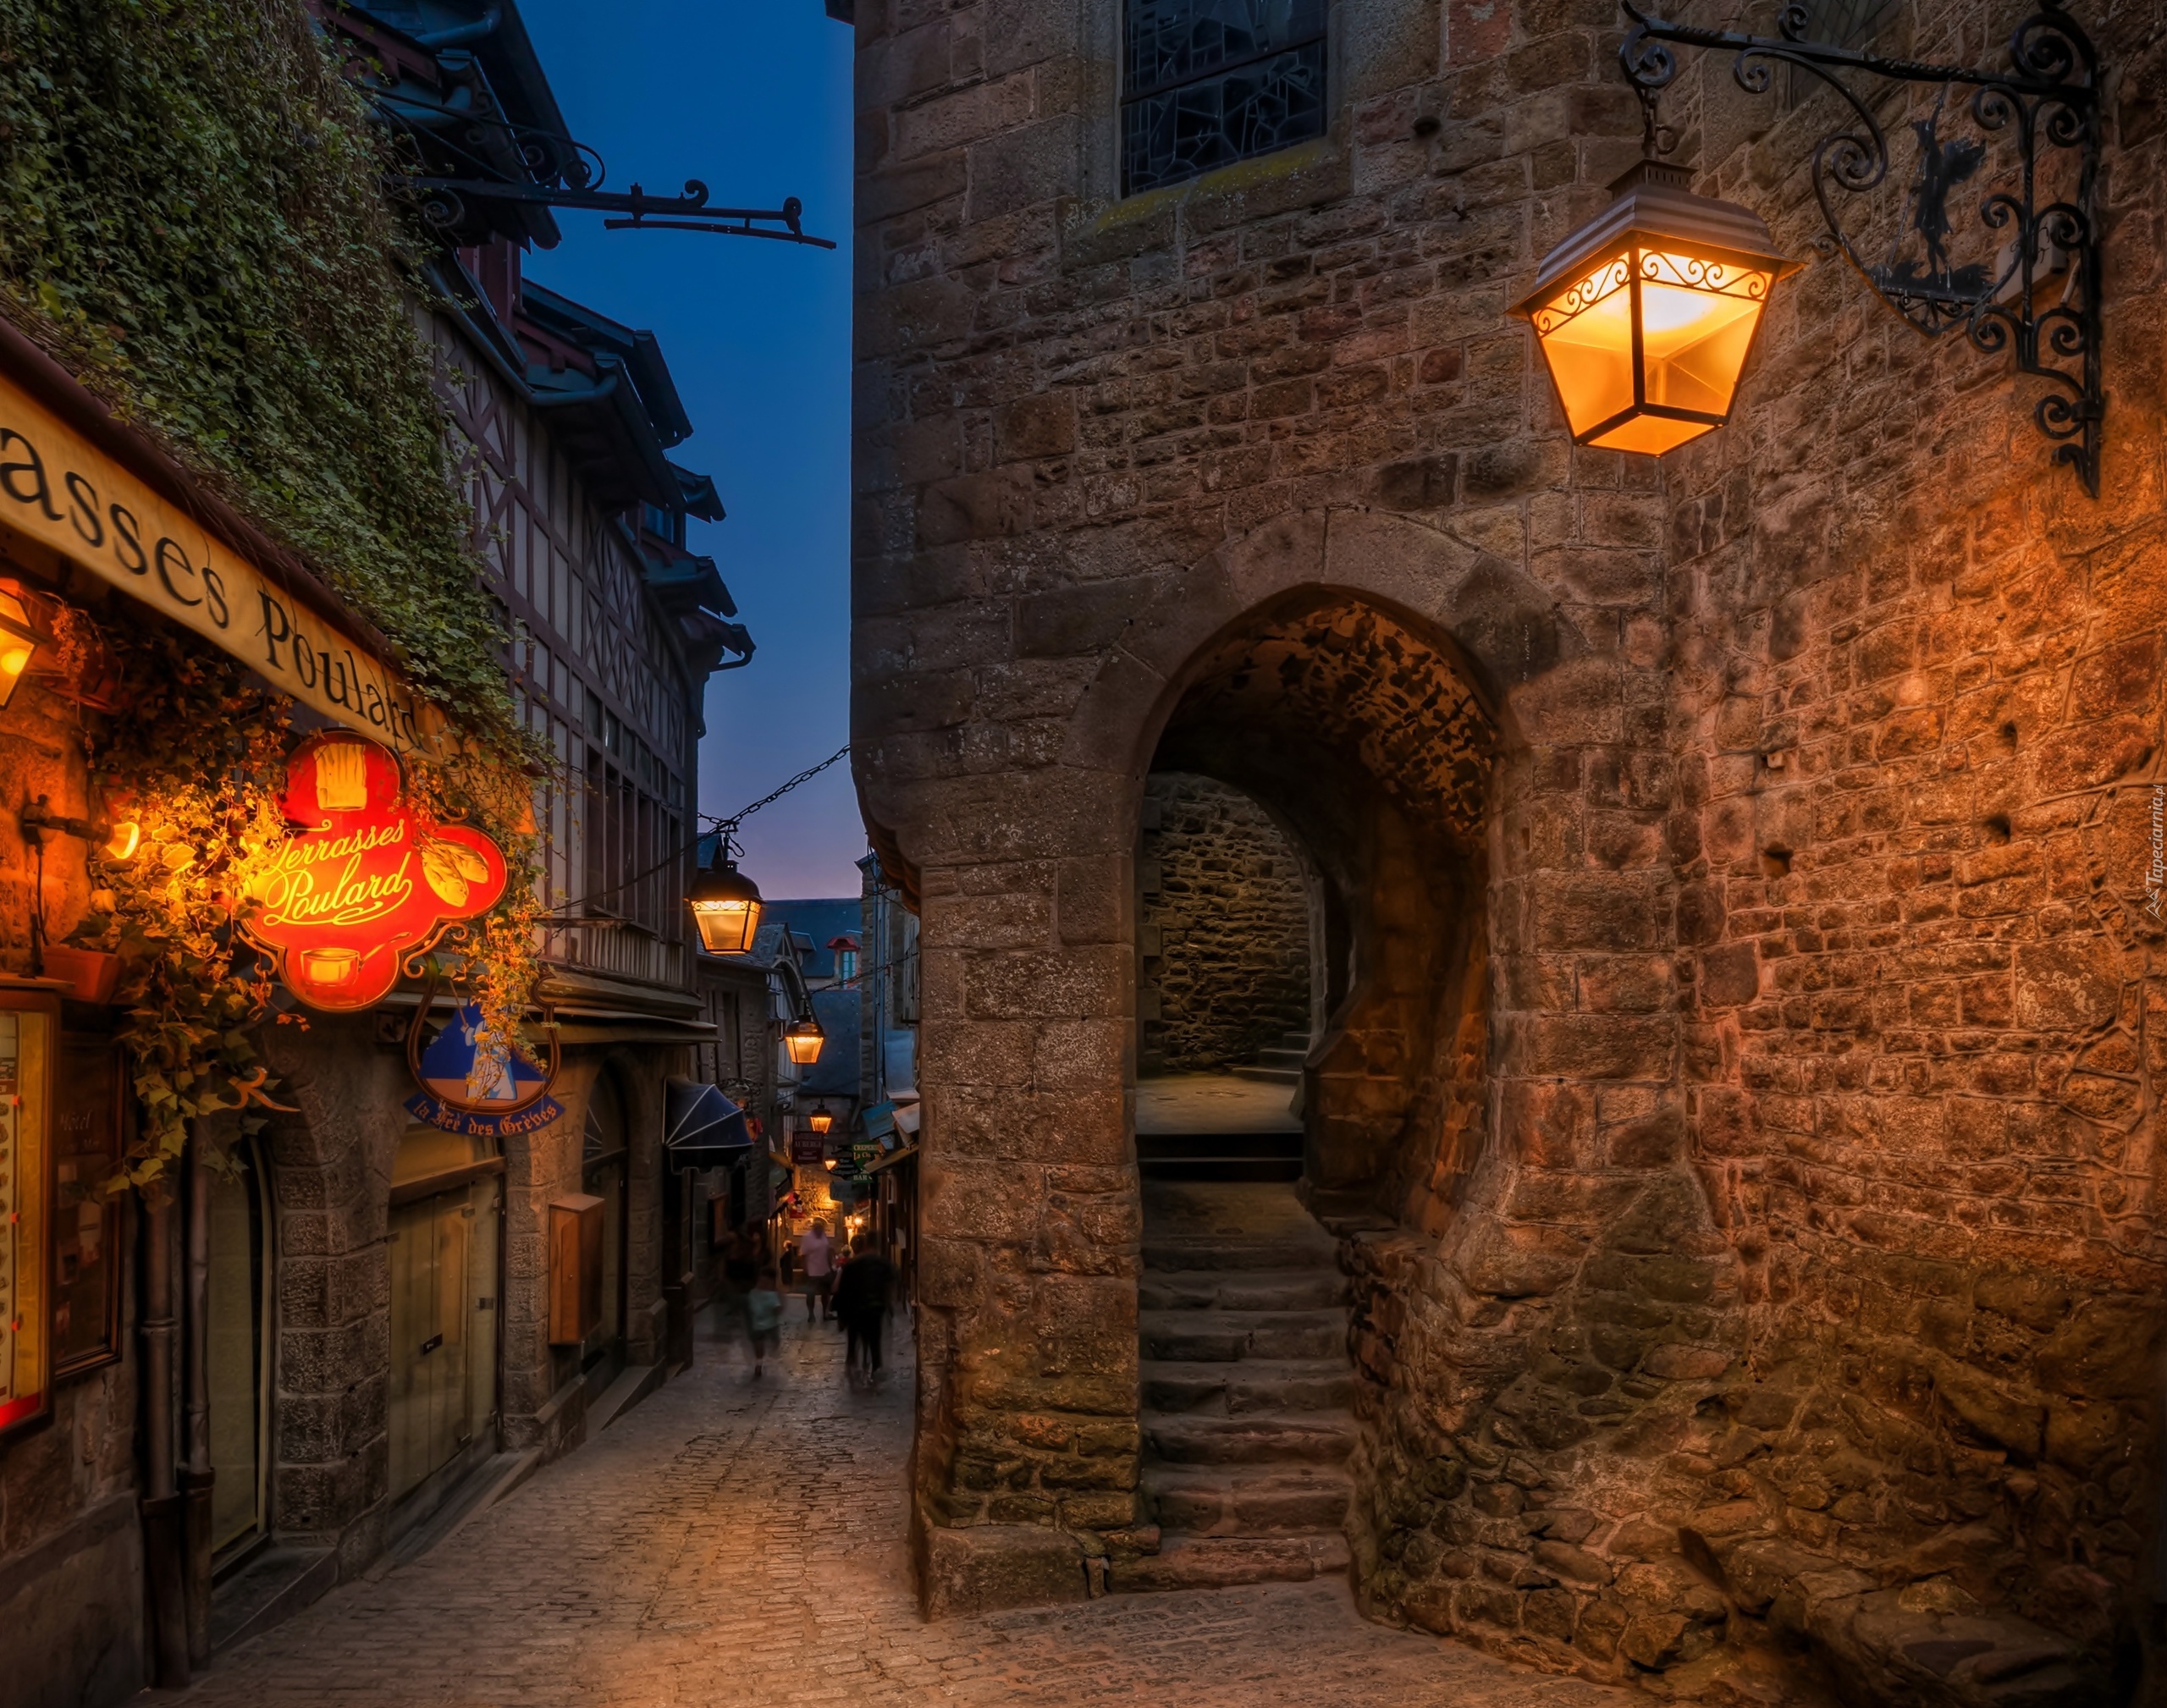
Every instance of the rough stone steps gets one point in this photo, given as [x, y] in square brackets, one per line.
[1200, 1501]
[1242, 1290]
[1212, 1562]
[1247, 1389]
[1251, 1386]
[1228, 1336]
[1163, 1256]
[1256, 1438]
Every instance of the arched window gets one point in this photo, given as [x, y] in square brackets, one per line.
[1208, 82]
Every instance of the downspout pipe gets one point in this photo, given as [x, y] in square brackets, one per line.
[196, 1475]
[162, 1539]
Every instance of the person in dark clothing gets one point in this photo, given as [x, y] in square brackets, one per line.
[862, 1303]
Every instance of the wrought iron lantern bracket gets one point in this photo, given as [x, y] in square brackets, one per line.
[2039, 300]
[638, 211]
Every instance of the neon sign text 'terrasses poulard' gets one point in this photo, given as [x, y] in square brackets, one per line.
[365, 882]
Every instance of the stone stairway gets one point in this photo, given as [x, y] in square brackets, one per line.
[1280, 1062]
[1247, 1388]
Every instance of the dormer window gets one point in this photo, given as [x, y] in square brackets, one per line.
[662, 523]
[1205, 83]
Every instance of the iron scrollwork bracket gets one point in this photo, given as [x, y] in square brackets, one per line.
[2047, 103]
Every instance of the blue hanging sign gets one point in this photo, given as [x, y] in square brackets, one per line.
[453, 1070]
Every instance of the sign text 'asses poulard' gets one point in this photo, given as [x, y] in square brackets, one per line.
[365, 881]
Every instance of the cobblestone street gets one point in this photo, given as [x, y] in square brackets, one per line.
[731, 1543]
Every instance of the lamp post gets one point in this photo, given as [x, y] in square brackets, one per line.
[1646, 314]
[726, 903]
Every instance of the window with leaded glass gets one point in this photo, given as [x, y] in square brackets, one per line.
[1207, 82]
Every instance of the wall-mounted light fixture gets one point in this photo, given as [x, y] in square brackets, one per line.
[18, 644]
[821, 1119]
[1646, 315]
[2023, 278]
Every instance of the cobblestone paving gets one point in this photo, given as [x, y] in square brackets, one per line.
[727, 1542]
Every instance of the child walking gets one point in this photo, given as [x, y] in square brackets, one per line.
[763, 1317]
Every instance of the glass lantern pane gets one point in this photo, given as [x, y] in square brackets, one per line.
[1696, 325]
[1653, 434]
[1586, 335]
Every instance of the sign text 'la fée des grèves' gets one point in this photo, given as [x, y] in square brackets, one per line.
[64, 492]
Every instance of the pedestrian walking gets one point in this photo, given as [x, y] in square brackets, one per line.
[861, 1304]
[818, 1252]
[763, 1317]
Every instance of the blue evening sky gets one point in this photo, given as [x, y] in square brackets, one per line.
[752, 98]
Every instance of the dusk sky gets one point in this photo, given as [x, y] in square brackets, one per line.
[752, 98]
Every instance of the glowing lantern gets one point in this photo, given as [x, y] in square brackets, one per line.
[18, 644]
[803, 1039]
[122, 841]
[820, 1120]
[725, 905]
[1646, 314]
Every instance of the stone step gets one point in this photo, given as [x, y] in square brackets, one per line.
[1211, 1562]
[1284, 1058]
[1196, 1501]
[1241, 1290]
[1250, 1385]
[1167, 1254]
[1281, 1076]
[1181, 1438]
[1226, 1336]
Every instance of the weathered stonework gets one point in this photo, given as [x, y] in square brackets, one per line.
[1739, 1103]
[1223, 931]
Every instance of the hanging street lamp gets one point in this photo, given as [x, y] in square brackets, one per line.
[821, 1119]
[1646, 314]
[726, 903]
[802, 1039]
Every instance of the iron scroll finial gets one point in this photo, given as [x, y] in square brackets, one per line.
[2036, 295]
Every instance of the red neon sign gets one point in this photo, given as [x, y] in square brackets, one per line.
[342, 902]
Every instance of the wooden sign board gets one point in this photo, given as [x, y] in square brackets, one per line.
[575, 1268]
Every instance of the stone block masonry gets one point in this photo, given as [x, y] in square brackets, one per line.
[1739, 1117]
[1223, 929]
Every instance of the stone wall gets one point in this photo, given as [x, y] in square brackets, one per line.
[1223, 929]
[1775, 1254]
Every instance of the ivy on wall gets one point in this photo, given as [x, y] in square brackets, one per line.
[192, 222]
[191, 215]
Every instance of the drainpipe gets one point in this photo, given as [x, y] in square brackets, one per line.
[161, 1504]
[196, 1474]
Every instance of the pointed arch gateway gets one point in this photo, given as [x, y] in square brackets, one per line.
[1361, 676]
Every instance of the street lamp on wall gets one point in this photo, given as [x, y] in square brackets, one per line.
[821, 1119]
[1646, 314]
[18, 644]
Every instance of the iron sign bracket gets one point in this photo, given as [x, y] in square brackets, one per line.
[2039, 300]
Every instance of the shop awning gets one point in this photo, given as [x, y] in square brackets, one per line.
[907, 1154]
[702, 1129]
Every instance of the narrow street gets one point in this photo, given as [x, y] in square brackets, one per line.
[731, 1543]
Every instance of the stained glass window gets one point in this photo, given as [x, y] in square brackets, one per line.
[1205, 82]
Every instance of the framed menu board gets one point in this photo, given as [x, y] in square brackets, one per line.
[29, 1026]
[85, 1219]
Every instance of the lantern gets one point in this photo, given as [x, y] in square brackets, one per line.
[18, 644]
[725, 905]
[803, 1039]
[1646, 314]
[820, 1120]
